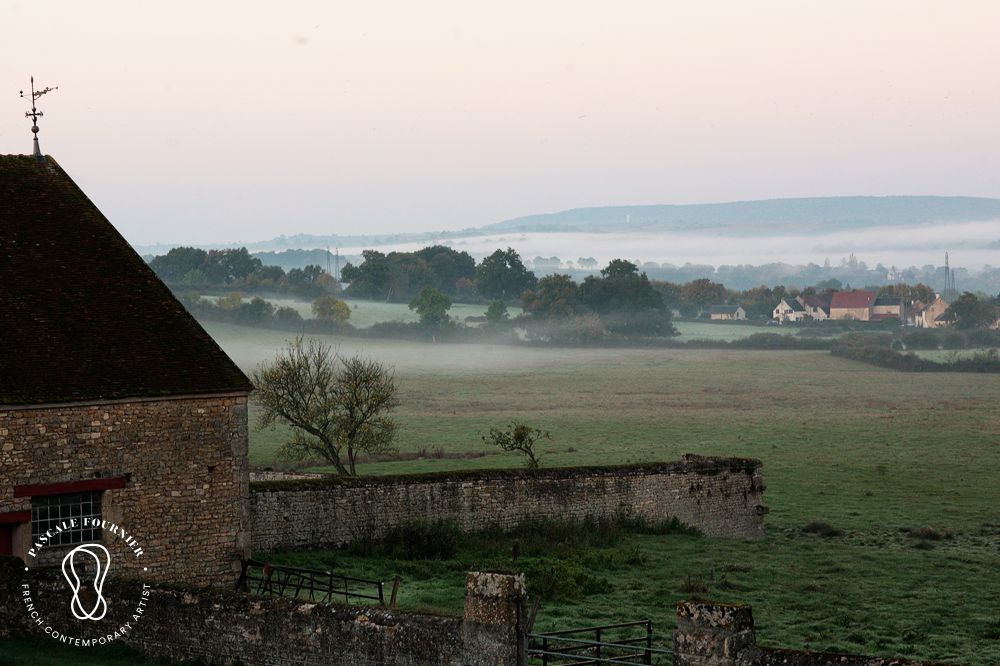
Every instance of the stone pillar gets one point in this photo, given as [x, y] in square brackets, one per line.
[715, 634]
[493, 627]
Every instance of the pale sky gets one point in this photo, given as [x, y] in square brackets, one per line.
[209, 122]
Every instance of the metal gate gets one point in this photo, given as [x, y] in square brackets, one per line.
[311, 584]
[576, 647]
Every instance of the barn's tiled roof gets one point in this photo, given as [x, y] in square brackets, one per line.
[852, 299]
[724, 309]
[82, 316]
[816, 301]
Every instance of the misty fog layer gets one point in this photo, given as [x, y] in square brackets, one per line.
[971, 245]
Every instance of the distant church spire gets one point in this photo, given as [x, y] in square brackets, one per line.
[35, 114]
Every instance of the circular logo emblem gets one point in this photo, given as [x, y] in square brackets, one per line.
[83, 608]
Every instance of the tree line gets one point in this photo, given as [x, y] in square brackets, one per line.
[621, 301]
[186, 268]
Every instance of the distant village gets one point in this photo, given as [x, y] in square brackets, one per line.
[850, 305]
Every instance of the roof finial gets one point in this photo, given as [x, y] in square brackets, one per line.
[35, 114]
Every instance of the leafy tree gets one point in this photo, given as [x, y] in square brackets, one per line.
[336, 406]
[626, 301]
[908, 292]
[673, 294]
[178, 262]
[550, 312]
[448, 267]
[232, 301]
[256, 311]
[587, 262]
[288, 315]
[496, 314]
[274, 273]
[702, 293]
[331, 308]
[588, 327]
[833, 284]
[518, 437]
[968, 312]
[370, 278]
[502, 275]
[304, 276]
[432, 306]
[464, 288]
[759, 302]
[237, 264]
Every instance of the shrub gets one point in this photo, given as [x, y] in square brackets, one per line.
[414, 541]
[929, 534]
[288, 315]
[955, 340]
[823, 529]
[558, 579]
[921, 339]
[984, 337]
[856, 339]
[693, 586]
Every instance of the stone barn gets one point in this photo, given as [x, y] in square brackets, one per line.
[115, 405]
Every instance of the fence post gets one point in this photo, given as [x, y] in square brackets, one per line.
[495, 620]
[715, 634]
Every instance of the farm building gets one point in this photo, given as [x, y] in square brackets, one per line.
[114, 403]
[789, 309]
[852, 305]
[930, 316]
[888, 307]
[816, 306]
[727, 312]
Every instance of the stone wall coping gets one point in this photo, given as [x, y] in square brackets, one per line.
[696, 464]
[773, 656]
[12, 568]
[119, 401]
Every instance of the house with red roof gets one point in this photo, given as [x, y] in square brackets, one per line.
[857, 305]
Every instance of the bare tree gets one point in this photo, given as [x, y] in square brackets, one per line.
[519, 438]
[336, 406]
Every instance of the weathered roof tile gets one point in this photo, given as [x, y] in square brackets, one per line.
[82, 316]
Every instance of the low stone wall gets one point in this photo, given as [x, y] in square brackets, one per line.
[186, 623]
[720, 496]
[715, 634]
[183, 623]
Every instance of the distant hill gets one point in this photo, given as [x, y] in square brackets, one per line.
[818, 215]
[771, 217]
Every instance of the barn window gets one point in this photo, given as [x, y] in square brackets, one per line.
[49, 512]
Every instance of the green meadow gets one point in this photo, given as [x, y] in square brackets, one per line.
[895, 474]
[873, 453]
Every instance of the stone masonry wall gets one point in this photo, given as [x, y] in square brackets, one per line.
[721, 496]
[185, 465]
[715, 634]
[219, 626]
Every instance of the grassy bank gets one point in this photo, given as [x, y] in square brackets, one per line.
[870, 451]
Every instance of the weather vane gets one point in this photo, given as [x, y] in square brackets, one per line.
[35, 114]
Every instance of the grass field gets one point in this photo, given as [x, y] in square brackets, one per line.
[366, 313]
[870, 451]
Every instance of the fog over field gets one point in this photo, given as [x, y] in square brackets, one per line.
[971, 245]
